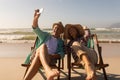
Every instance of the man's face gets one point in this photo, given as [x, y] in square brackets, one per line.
[57, 30]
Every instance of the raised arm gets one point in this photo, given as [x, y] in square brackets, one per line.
[35, 20]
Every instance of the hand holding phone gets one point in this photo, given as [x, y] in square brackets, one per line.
[39, 11]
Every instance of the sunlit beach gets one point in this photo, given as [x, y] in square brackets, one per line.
[19, 28]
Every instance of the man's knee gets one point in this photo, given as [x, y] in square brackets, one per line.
[42, 47]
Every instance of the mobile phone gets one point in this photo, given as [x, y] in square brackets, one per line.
[41, 10]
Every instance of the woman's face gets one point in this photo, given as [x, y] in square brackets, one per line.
[57, 30]
[73, 33]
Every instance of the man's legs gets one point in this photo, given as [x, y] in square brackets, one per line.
[41, 57]
[35, 64]
[45, 60]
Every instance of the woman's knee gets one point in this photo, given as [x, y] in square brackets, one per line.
[75, 43]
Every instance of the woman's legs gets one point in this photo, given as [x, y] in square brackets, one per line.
[41, 57]
[89, 66]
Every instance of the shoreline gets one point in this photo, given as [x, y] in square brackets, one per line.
[32, 41]
[23, 48]
[17, 41]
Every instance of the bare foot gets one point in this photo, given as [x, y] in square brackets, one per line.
[51, 74]
[90, 69]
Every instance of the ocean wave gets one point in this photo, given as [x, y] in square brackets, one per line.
[10, 37]
[27, 34]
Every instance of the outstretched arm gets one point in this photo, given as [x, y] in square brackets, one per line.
[35, 20]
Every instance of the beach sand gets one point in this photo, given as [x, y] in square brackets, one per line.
[15, 53]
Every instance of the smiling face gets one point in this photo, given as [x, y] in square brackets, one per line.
[57, 30]
[73, 32]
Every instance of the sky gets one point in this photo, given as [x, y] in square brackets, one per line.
[91, 13]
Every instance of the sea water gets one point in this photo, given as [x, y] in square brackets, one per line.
[109, 34]
[104, 34]
[18, 34]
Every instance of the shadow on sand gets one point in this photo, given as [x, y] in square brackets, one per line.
[82, 76]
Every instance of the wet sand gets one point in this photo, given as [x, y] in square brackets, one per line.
[12, 55]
